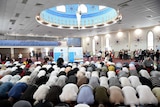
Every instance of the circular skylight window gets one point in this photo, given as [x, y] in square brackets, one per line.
[78, 16]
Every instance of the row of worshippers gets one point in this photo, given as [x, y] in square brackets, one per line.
[80, 85]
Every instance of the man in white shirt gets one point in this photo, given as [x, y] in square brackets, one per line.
[99, 55]
[20, 57]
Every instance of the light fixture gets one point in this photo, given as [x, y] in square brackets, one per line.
[31, 49]
[78, 16]
[138, 31]
[96, 38]
[157, 28]
[87, 39]
[108, 35]
[120, 34]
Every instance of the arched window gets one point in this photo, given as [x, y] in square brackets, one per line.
[102, 7]
[61, 8]
[82, 8]
[150, 40]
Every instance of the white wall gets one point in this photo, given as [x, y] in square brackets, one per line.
[128, 40]
[118, 42]
[87, 44]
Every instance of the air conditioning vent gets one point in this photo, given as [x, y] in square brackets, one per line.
[38, 4]
[2, 34]
[17, 14]
[37, 25]
[24, 1]
[124, 4]
[119, 22]
[27, 17]
[12, 21]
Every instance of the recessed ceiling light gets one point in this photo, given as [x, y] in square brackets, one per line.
[24, 1]
[149, 16]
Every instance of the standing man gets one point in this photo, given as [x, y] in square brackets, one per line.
[148, 64]
[0, 57]
[157, 55]
[20, 57]
[37, 55]
[99, 55]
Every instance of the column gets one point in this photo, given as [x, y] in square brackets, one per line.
[93, 46]
[129, 40]
[12, 53]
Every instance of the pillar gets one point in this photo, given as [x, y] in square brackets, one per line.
[12, 53]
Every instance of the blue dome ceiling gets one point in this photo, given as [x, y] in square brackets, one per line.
[92, 16]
